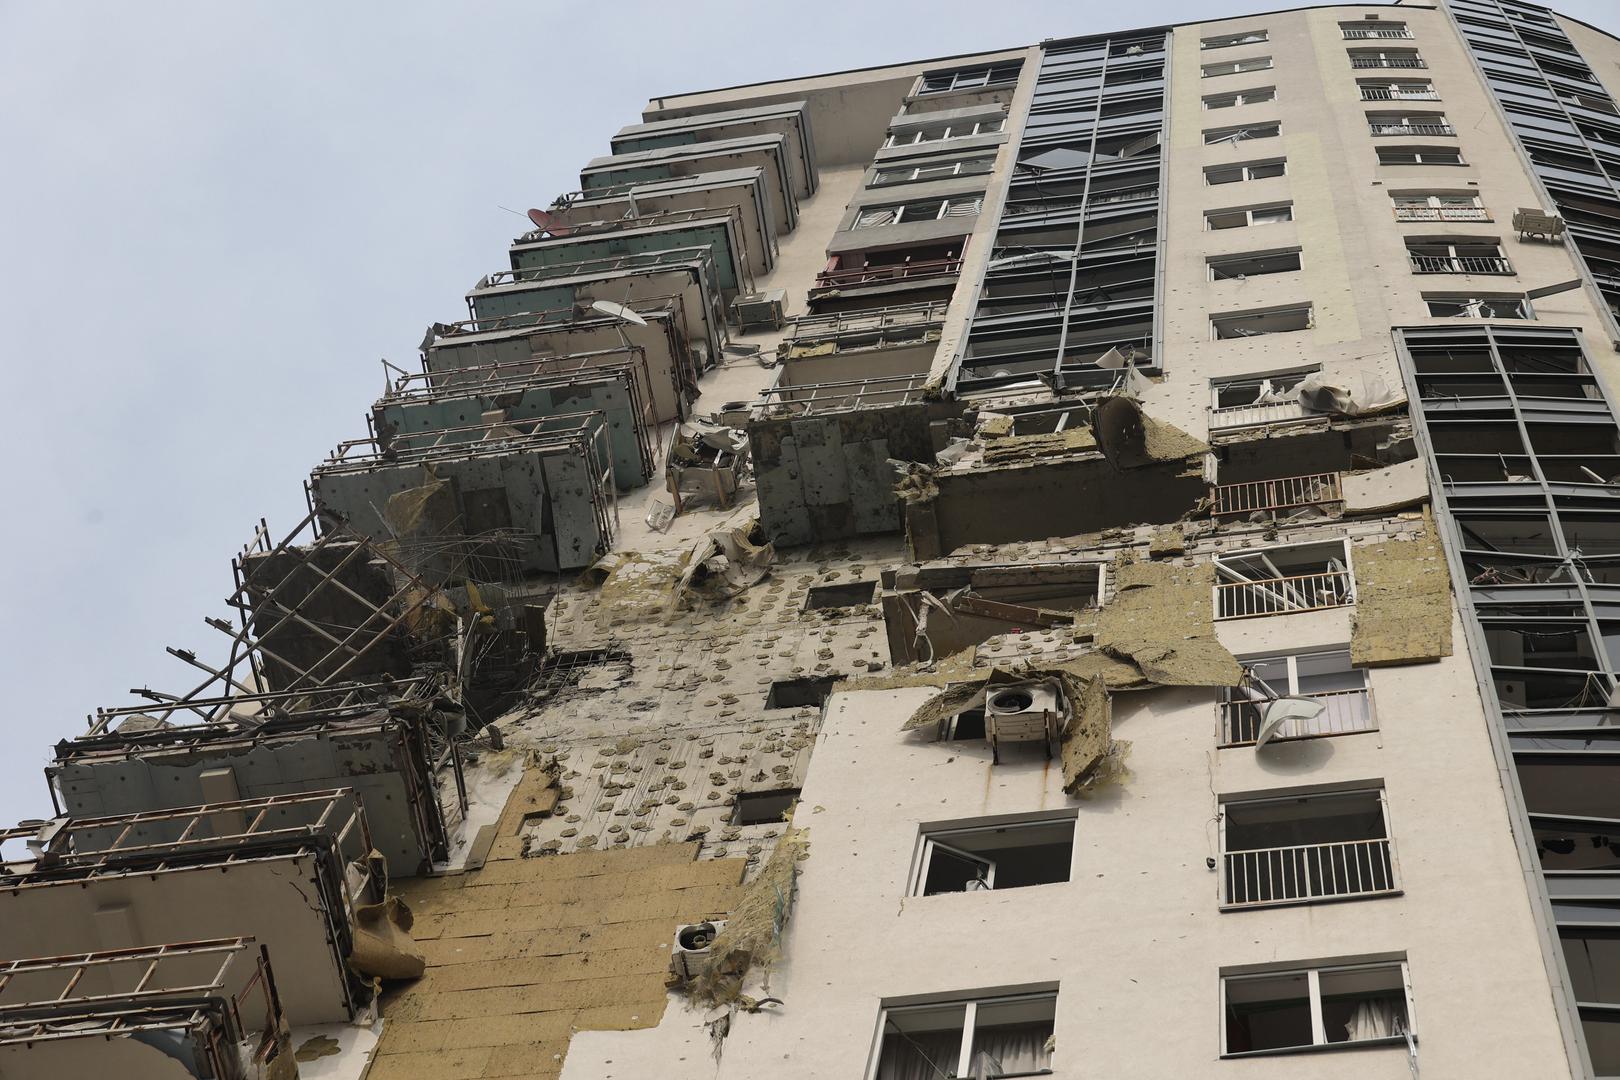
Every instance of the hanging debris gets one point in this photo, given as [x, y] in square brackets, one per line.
[1161, 620]
[1403, 601]
[752, 936]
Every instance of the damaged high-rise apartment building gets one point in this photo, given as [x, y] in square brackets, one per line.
[1086, 559]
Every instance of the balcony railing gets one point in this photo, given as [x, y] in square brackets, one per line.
[1292, 875]
[875, 275]
[1284, 595]
[1347, 712]
[1377, 128]
[1239, 416]
[1442, 213]
[1271, 496]
[1390, 93]
[1362, 33]
[1461, 264]
[1387, 62]
[905, 324]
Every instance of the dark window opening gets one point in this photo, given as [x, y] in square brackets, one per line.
[798, 693]
[996, 857]
[764, 807]
[852, 594]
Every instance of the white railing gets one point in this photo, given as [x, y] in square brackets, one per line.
[1390, 93]
[1292, 875]
[1387, 62]
[1346, 712]
[1237, 416]
[1283, 595]
[1376, 127]
[1442, 213]
[1284, 493]
[1460, 264]
[1361, 33]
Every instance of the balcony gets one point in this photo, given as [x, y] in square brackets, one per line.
[1347, 712]
[1459, 264]
[878, 275]
[1293, 875]
[1303, 848]
[1283, 595]
[1259, 414]
[1391, 93]
[1375, 127]
[1442, 213]
[1366, 33]
[1365, 62]
[1277, 496]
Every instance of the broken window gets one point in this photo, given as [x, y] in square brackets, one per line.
[764, 807]
[1477, 307]
[989, 857]
[800, 693]
[1242, 218]
[1253, 400]
[1236, 67]
[1316, 1006]
[1243, 133]
[1325, 676]
[937, 132]
[1256, 96]
[1253, 170]
[955, 206]
[1299, 849]
[1282, 580]
[846, 594]
[999, 1036]
[1243, 324]
[940, 82]
[1254, 264]
[1226, 41]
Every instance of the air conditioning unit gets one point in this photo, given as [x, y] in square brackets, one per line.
[1022, 712]
[692, 944]
[759, 311]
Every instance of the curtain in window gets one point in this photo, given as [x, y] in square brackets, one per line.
[1010, 1048]
[1375, 1019]
[919, 1056]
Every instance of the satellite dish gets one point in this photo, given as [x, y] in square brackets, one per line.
[541, 219]
[559, 229]
[618, 311]
[1285, 709]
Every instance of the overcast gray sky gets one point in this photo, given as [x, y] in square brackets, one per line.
[216, 217]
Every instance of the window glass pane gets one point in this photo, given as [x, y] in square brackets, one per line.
[923, 1042]
[1366, 1003]
[1268, 1012]
[1272, 214]
[1260, 172]
[1013, 1036]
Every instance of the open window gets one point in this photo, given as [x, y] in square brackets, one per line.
[1246, 216]
[1283, 580]
[764, 807]
[1325, 676]
[979, 1037]
[1252, 264]
[811, 691]
[1256, 96]
[1299, 849]
[1485, 306]
[1313, 1007]
[1252, 170]
[1244, 324]
[1242, 133]
[843, 595]
[982, 858]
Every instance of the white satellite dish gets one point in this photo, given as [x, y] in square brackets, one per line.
[1274, 714]
[618, 311]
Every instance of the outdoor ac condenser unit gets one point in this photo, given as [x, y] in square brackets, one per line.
[760, 311]
[1022, 712]
[692, 944]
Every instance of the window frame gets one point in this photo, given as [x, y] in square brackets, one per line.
[956, 74]
[956, 164]
[928, 842]
[1216, 319]
[1314, 972]
[1238, 133]
[1248, 213]
[1526, 308]
[1420, 154]
[1374, 788]
[1235, 67]
[913, 136]
[1239, 98]
[970, 1003]
[1212, 261]
[1229, 41]
[1228, 696]
[949, 206]
[1247, 168]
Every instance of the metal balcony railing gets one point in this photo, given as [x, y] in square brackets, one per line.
[1460, 264]
[1283, 595]
[1292, 875]
[1390, 93]
[1239, 416]
[872, 275]
[1362, 33]
[1387, 62]
[1269, 496]
[1347, 712]
[905, 324]
[1439, 128]
[1442, 213]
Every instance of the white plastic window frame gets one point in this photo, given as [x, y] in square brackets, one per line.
[1435, 200]
[1235, 67]
[1319, 1040]
[1242, 133]
[1228, 41]
[1248, 213]
[1218, 319]
[970, 1019]
[928, 841]
[1212, 261]
[1418, 153]
[1527, 310]
[948, 131]
[1230, 694]
[914, 171]
[1307, 796]
[1259, 95]
[1248, 168]
[949, 206]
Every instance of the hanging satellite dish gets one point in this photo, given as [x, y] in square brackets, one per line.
[541, 219]
[618, 311]
[1275, 714]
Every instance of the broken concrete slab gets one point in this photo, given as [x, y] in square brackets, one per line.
[1162, 620]
[1403, 601]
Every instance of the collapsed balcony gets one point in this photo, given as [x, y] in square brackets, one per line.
[531, 496]
[203, 1008]
[860, 280]
[1283, 580]
[202, 872]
